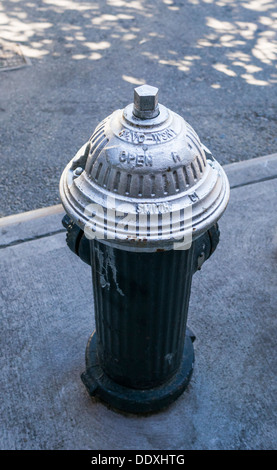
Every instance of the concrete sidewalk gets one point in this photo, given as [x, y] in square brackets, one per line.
[47, 317]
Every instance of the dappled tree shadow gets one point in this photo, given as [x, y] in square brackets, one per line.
[214, 62]
[87, 30]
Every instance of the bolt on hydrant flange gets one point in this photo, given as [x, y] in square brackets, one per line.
[142, 197]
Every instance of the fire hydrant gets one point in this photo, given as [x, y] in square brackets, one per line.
[142, 197]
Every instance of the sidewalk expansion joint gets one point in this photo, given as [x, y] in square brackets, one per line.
[262, 180]
[29, 239]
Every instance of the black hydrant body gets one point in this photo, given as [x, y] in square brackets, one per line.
[143, 197]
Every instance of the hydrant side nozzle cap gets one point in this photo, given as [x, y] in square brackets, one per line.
[146, 102]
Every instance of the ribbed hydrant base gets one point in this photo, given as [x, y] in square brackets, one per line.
[140, 357]
[130, 400]
[141, 305]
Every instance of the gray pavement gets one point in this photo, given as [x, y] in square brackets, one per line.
[47, 317]
[213, 61]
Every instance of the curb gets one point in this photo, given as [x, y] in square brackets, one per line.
[30, 215]
[252, 171]
[40, 223]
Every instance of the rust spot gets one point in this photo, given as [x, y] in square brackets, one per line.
[131, 239]
[159, 250]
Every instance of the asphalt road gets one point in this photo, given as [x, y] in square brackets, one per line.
[213, 61]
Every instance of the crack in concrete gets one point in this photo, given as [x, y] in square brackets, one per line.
[29, 239]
